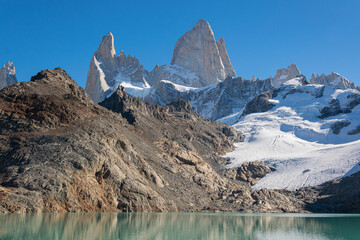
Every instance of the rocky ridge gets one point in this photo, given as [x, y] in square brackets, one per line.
[62, 152]
[333, 79]
[285, 74]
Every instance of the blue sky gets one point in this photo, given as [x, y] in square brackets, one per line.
[261, 36]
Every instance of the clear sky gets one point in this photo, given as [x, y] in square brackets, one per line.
[261, 36]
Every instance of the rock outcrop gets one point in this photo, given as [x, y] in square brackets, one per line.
[260, 103]
[334, 108]
[333, 79]
[285, 74]
[198, 51]
[7, 75]
[250, 172]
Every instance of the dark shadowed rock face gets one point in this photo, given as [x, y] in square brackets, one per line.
[260, 103]
[336, 127]
[340, 195]
[334, 107]
[354, 131]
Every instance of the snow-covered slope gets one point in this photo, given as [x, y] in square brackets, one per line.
[310, 136]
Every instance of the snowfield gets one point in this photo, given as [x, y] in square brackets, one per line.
[292, 139]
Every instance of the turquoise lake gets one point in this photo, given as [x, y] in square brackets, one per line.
[179, 226]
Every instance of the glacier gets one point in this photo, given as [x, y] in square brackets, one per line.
[303, 148]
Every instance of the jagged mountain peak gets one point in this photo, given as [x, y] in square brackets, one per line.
[229, 69]
[9, 67]
[107, 71]
[203, 22]
[198, 61]
[333, 78]
[106, 50]
[221, 40]
[203, 26]
[7, 75]
[285, 74]
[198, 52]
[121, 54]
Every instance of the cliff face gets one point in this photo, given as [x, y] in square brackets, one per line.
[229, 69]
[198, 51]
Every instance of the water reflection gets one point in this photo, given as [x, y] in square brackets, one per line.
[177, 226]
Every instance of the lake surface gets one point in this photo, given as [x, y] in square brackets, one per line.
[179, 226]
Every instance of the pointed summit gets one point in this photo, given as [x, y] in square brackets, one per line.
[202, 23]
[7, 75]
[106, 71]
[229, 69]
[106, 50]
[101, 69]
[198, 52]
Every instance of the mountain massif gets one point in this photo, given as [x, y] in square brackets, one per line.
[139, 140]
[60, 151]
[198, 61]
[200, 72]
